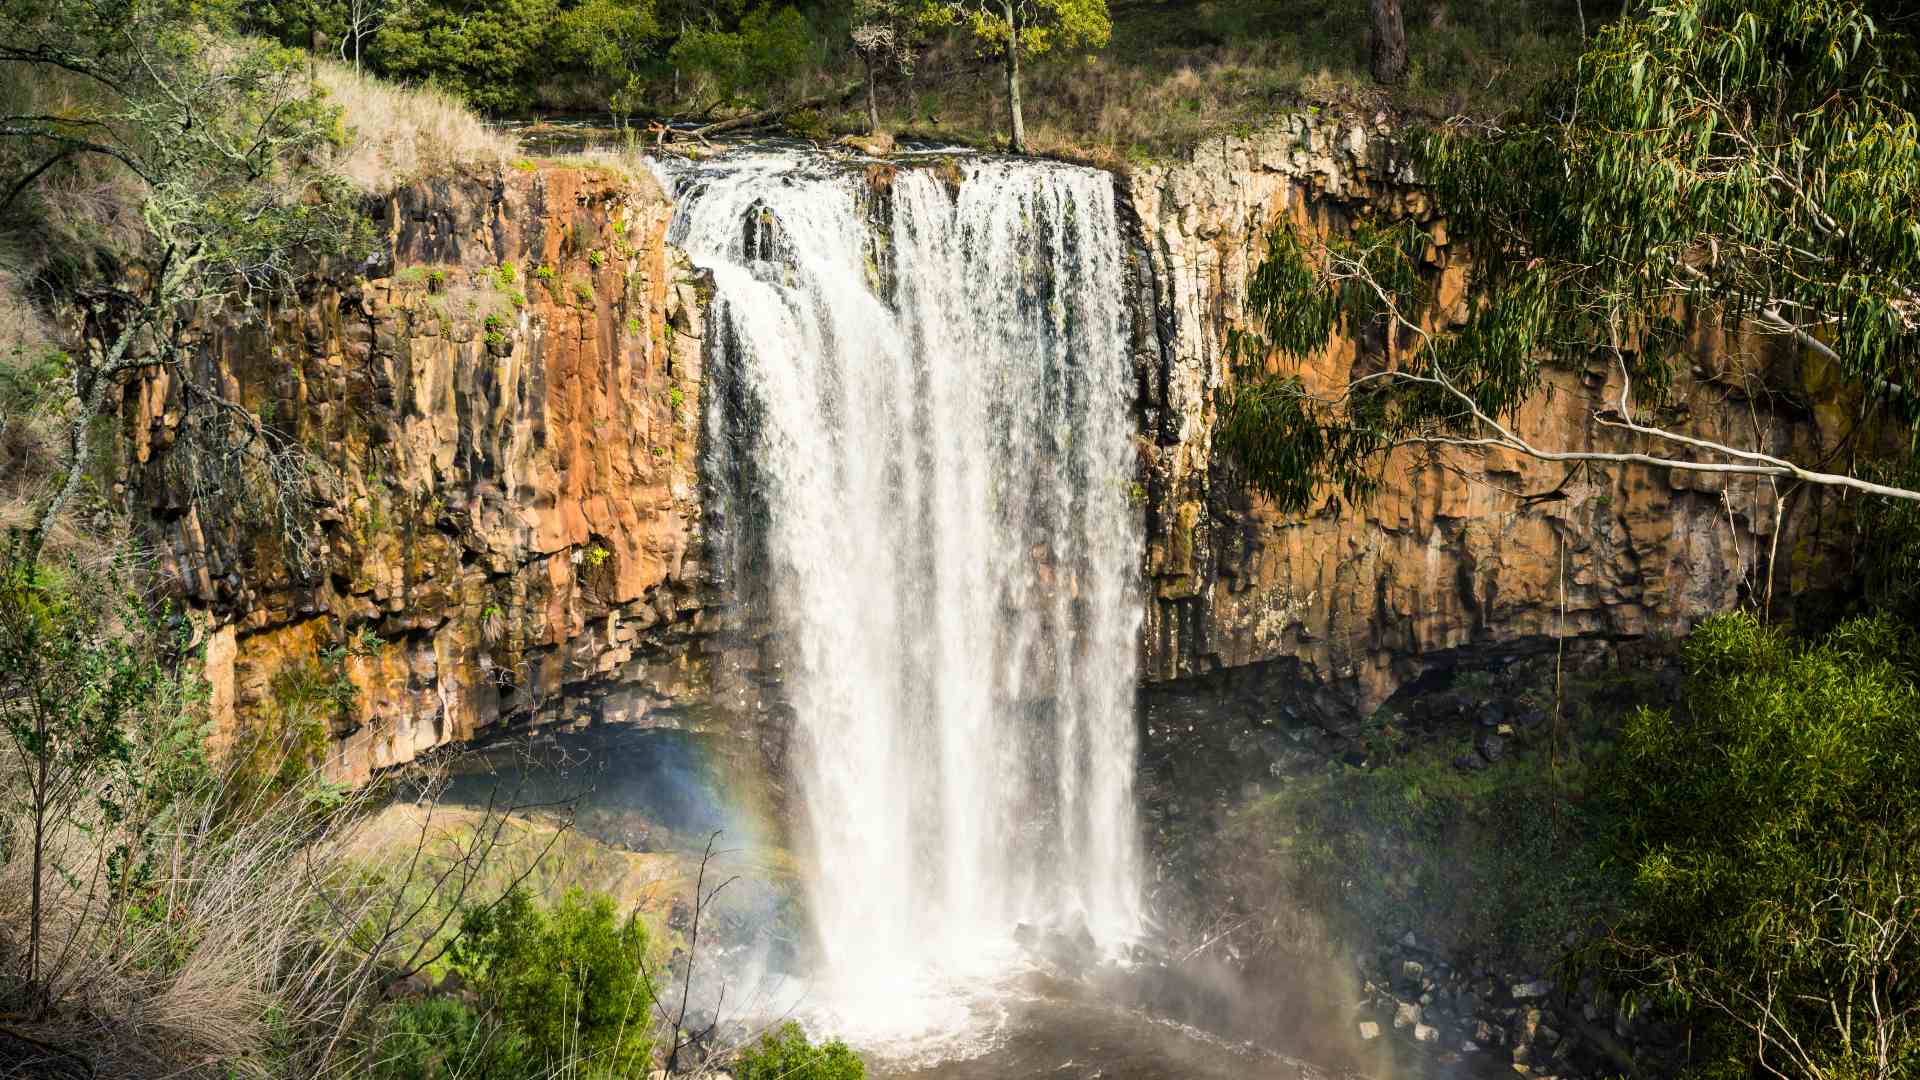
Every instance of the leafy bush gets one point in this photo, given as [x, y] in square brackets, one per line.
[490, 52]
[570, 980]
[766, 50]
[787, 1055]
[434, 1038]
[1773, 830]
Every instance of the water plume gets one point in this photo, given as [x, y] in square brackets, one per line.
[924, 463]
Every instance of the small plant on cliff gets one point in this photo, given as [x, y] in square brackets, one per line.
[436, 279]
[310, 701]
[596, 555]
[495, 321]
[675, 399]
[583, 292]
[595, 259]
[505, 275]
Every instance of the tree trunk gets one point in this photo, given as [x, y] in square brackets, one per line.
[873, 102]
[40, 998]
[1388, 43]
[1017, 140]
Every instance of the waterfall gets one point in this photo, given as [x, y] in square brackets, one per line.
[930, 424]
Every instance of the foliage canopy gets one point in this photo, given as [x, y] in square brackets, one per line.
[1750, 162]
[1772, 828]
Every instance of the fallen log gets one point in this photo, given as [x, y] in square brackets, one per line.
[764, 116]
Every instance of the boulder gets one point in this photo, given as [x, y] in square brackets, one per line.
[1532, 990]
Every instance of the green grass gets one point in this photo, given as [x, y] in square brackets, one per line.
[1502, 862]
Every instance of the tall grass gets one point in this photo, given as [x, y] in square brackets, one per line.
[236, 930]
[397, 133]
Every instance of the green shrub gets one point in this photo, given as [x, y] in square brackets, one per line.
[765, 52]
[490, 52]
[439, 1038]
[569, 979]
[787, 1055]
[1772, 826]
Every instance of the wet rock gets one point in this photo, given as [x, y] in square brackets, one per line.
[1425, 1033]
[1406, 1014]
[1369, 1030]
[1531, 990]
[1490, 746]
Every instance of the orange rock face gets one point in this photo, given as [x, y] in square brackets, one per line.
[507, 425]
[506, 429]
[1463, 553]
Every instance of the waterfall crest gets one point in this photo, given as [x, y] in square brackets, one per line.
[932, 393]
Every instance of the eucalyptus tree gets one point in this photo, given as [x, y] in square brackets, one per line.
[885, 37]
[1387, 42]
[1016, 29]
[218, 149]
[1750, 163]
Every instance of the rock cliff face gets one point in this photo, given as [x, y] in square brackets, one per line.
[507, 426]
[508, 415]
[1463, 555]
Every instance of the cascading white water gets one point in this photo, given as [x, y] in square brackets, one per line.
[940, 453]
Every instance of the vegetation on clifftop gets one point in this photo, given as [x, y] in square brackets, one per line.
[1127, 78]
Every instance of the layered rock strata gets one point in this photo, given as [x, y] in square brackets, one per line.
[506, 415]
[1462, 552]
[502, 424]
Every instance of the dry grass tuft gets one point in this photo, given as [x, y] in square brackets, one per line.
[398, 133]
[263, 927]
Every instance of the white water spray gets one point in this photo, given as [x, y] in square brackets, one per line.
[939, 449]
